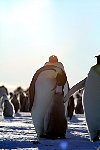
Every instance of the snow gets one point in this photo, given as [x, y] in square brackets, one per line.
[19, 133]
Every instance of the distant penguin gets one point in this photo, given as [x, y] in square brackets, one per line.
[70, 108]
[55, 122]
[15, 102]
[79, 105]
[91, 100]
[42, 90]
[3, 90]
[24, 103]
[8, 108]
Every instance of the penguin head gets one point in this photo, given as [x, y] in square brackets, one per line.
[53, 59]
[98, 59]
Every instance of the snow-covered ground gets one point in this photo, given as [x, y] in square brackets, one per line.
[19, 132]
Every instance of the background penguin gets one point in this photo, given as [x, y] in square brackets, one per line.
[3, 90]
[70, 108]
[15, 102]
[79, 105]
[8, 108]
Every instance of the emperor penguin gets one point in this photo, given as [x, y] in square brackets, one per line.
[15, 102]
[3, 90]
[91, 99]
[7, 106]
[42, 90]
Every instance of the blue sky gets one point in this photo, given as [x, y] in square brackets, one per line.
[32, 30]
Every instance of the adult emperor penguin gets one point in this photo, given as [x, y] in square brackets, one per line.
[42, 89]
[91, 100]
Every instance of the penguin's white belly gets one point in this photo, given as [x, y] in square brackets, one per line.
[91, 102]
[44, 91]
